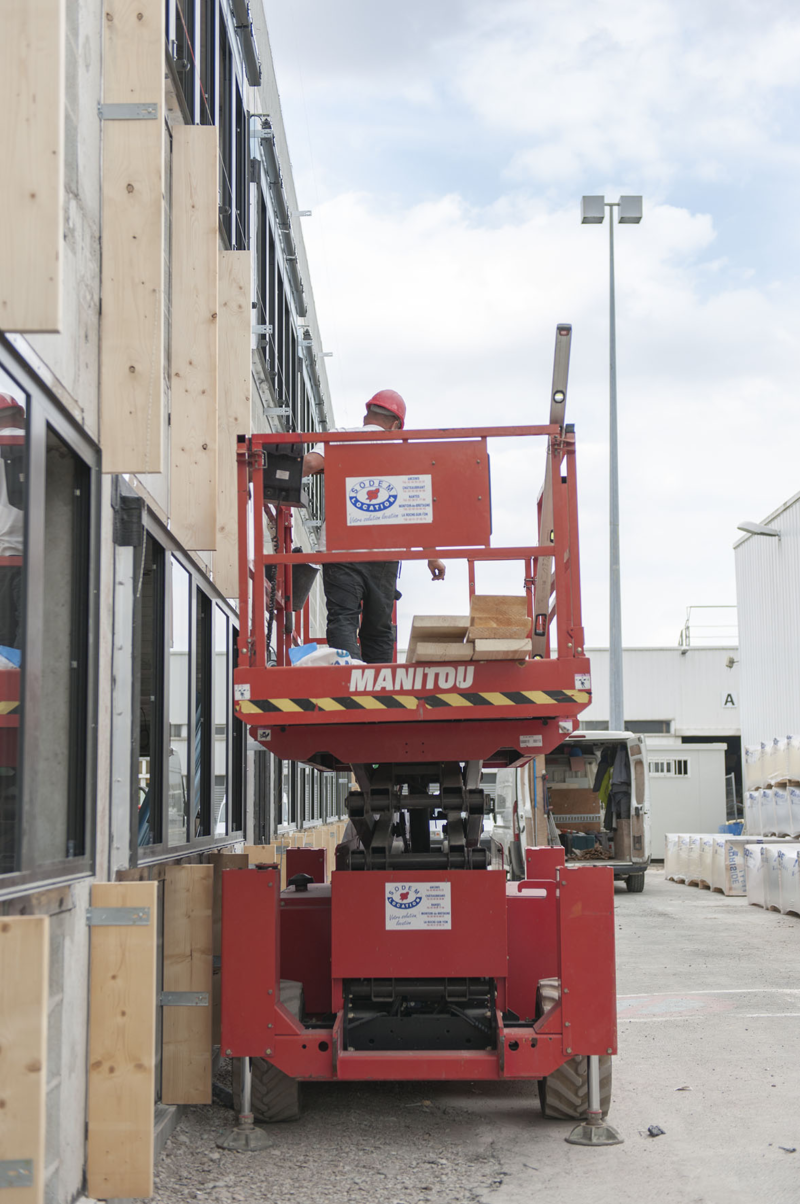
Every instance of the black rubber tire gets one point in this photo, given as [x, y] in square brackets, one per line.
[564, 1094]
[274, 1095]
[635, 883]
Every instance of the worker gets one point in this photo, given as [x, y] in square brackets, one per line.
[360, 597]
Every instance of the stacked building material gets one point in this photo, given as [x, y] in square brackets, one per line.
[498, 627]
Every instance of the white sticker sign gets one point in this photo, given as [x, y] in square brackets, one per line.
[241, 693]
[373, 500]
[411, 906]
[530, 741]
[583, 681]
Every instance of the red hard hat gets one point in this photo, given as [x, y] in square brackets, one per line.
[7, 402]
[387, 399]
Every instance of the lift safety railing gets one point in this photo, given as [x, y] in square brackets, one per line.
[551, 565]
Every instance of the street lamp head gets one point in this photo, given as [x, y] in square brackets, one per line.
[759, 529]
[593, 210]
[630, 209]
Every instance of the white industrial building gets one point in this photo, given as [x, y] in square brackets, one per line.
[767, 592]
[685, 702]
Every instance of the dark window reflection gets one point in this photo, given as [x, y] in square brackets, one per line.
[12, 535]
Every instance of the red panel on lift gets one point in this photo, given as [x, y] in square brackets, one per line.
[542, 861]
[532, 942]
[367, 484]
[249, 958]
[306, 942]
[306, 861]
[475, 946]
[588, 970]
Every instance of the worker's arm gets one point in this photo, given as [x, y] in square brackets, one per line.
[312, 464]
[437, 568]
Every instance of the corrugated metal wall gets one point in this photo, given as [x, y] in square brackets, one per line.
[768, 596]
[685, 685]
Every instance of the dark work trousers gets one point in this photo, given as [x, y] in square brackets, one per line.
[361, 593]
[10, 599]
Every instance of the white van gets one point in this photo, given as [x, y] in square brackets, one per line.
[572, 812]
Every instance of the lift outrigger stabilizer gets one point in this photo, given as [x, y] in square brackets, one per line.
[418, 960]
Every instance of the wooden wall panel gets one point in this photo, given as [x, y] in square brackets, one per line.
[24, 960]
[235, 323]
[122, 1030]
[132, 318]
[32, 154]
[195, 278]
[186, 1044]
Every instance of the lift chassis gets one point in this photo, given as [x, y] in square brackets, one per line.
[418, 960]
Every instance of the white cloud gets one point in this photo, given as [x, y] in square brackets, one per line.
[666, 86]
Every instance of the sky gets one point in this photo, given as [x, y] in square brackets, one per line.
[443, 148]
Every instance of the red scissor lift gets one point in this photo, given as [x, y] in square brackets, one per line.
[417, 961]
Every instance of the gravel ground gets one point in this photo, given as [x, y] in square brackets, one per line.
[354, 1142]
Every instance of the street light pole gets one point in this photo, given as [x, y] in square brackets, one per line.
[592, 213]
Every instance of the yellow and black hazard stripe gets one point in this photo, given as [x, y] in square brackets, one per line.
[409, 702]
[7, 707]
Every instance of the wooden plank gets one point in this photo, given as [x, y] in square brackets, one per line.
[122, 1032]
[441, 650]
[261, 854]
[24, 962]
[195, 300]
[186, 1042]
[132, 321]
[497, 609]
[235, 325]
[502, 650]
[495, 631]
[32, 151]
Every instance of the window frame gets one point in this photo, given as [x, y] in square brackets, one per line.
[199, 583]
[43, 410]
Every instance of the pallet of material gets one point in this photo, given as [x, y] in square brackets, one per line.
[501, 650]
[438, 638]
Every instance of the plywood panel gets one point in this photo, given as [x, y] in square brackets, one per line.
[195, 279]
[186, 1042]
[235, 320]
[122, 1029]
[132, 318]
[32, 152]
[24, 950]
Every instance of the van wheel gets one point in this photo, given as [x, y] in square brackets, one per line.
[275, 1096]
[564, 1094]
[635, 883]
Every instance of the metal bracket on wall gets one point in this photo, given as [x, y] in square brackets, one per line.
[128, 112]
[184, 999]
[260, 328]
[117, 917]
[16, 1172]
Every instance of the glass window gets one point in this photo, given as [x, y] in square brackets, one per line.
[54, 831]
[13, 406]
[178, 765]
[203, 726]
[237, 775]
[148, 635]
[184, 48]
[221, 711]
